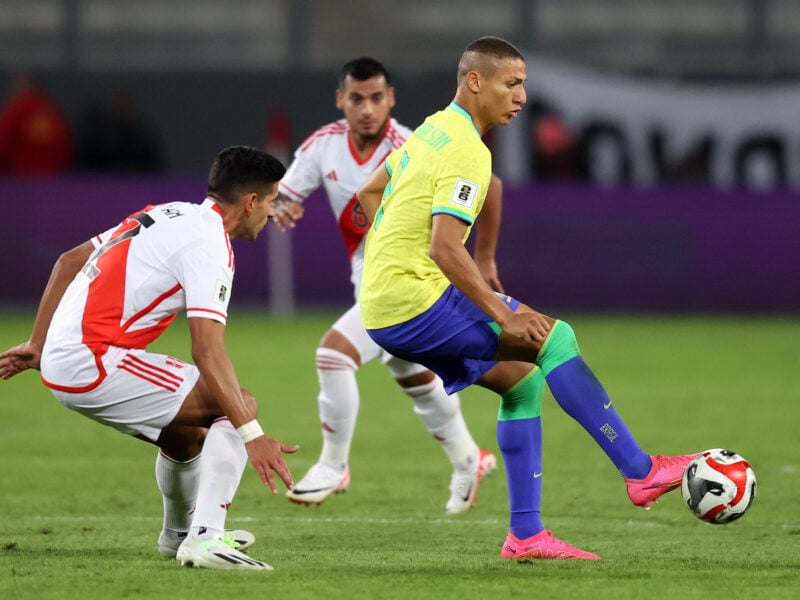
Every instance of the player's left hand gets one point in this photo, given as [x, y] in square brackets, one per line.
[26, 355]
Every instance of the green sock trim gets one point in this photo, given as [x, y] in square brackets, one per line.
[524, 399]
[559, 347]
[495, 327]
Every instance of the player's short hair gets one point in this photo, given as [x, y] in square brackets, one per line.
[239, 170]
[494, 46]
[361, 69]
[490, 46]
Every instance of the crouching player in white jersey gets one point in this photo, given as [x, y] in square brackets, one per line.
[110, 297]
[340, 156]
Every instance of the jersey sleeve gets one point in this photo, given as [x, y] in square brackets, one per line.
[102, 238]
[303, 176]
[460, 189]
[205, 271]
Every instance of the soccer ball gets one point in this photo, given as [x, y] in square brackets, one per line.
[718, 486]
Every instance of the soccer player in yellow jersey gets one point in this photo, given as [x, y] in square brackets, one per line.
[424, 300]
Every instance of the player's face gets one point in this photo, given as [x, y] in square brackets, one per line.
[366, 105]
[504, 92]
[260, 212]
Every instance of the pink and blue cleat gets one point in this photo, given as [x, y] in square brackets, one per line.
[664, 476]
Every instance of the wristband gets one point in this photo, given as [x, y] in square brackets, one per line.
[250, 431]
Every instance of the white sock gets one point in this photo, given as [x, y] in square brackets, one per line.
[177, 482]
[222, 463]
[443, 419]
[338, 404]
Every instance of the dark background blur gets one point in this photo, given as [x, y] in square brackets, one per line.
[656, 166]
[205, 73]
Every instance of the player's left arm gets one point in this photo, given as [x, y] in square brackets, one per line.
[371, 192]
[27, 355]
[488, 232]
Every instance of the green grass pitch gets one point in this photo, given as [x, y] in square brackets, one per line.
[80, 512]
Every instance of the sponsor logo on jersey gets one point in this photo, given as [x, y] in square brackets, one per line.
[464, 193]
[332, 176]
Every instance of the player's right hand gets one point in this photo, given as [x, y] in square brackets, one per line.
[26, 355]
[286, 213]
[266, 456]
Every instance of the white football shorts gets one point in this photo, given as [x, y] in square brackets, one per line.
[140, 395]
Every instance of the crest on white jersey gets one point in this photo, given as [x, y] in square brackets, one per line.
[222, 294]
[464, 193]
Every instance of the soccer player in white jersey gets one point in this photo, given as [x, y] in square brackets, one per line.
[340, 156]
[109, 297]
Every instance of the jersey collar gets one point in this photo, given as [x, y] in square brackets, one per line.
[460, 110]
[209, 203]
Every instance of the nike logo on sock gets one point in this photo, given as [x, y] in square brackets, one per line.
[607, 405]
[537, 475]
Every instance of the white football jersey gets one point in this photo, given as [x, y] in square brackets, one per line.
[327, 157]
[158, 261]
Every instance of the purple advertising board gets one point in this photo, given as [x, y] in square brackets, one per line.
[561, 247]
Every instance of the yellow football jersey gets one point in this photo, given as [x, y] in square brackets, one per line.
[443, 168]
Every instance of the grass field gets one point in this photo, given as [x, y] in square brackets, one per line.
[80, 512]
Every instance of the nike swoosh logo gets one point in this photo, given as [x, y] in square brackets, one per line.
[658, 486]
[537, 475]
[301, 492]
[466, 496]
[607, 405]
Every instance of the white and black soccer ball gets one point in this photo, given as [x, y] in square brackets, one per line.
[718, 486]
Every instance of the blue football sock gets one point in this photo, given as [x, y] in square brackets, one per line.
[580, 394]
[519, 436]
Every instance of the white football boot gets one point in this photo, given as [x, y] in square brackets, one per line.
[321, 481]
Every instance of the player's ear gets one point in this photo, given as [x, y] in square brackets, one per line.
[249, 203]
[390, 96]
[339, 99]
[474, 81]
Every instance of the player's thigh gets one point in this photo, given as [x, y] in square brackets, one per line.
[504, 375]
[350, 328]
[405, 372]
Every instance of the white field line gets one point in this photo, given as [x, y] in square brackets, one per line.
[249, 519]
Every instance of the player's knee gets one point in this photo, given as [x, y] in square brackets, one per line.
[559, 347]
[328, 359]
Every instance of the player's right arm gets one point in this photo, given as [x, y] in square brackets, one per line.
[27, 355]
[214, 363]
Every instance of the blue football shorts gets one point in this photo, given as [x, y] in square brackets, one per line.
[453, 338]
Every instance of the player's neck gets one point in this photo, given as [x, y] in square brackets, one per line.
[471, 108]
[365, 146]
